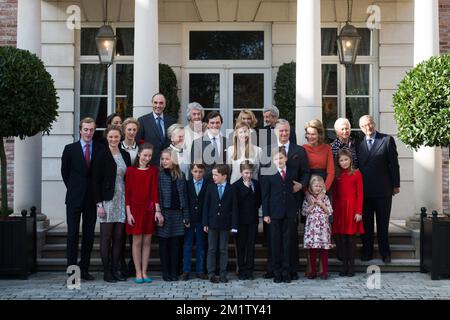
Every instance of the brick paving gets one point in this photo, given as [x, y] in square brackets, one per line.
[398, 286]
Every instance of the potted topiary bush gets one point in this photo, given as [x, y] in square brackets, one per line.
[28, 106]
[422, 112]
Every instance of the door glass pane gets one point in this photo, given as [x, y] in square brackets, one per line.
[248, 90]
[88, 45]
[204, 88]
[93, 79]
[96, 108]
[364, 44]
[357, 79]
[329, 45]
[124, 90]
[226, 45]
[329, 79]
[125, 41]
[355, 108]
[329, 114]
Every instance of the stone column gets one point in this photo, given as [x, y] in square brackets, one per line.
[308, 100]
[146, 55]
[28, 152]
[427, 160]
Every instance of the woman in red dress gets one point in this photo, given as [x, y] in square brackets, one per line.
[347, 208]
[141, 199]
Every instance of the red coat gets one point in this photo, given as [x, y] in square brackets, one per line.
[347, 201]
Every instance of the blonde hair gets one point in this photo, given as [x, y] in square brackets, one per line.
[316, 178]
[87, 120]
[236, 150]
[316, 124]
[250, 113]
[127, 121]
[175, 171]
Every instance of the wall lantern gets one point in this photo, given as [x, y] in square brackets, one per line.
[348, 40]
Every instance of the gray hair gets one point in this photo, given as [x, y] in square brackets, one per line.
[194, 105]
[341, 121]
[282, 122]
[273, 110]
[173, 129]
[368, 117]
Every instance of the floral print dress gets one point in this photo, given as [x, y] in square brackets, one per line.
[317, 228]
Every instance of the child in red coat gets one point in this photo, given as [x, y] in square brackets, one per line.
[141, 199]
[347, 207]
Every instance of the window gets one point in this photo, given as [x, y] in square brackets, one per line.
[348, 92]
[103, 90]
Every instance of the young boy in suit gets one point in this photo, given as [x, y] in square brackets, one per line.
[196, 188]
[220, 215]
[249, 200]
[279, 210]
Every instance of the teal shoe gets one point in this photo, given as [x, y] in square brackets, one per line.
[148, 280]
[139, 280]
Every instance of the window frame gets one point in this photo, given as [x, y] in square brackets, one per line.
[372, 61]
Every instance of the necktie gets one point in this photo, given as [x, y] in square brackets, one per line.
[283, 175]
[220, 191]
[369, 144]
[158, 120]
[214, 150]
[197, 187]
[87, 155]
[285, 148]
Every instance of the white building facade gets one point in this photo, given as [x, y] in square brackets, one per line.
[226, 55]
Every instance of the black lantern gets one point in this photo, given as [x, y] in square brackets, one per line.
[348, 41]
[106, 42]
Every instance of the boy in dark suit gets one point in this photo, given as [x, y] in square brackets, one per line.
[196, 188]
[220, 215]
[76, 171]
[279, 210]
[249, 200]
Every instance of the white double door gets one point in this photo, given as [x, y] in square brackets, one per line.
[228, 91]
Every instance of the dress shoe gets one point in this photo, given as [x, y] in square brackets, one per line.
[387, 259]
[223, 279]
[118, 276]
[202, 276]
[294, 276]
[185, 276]
[366, 258]
[278, 279]
[214, 279]
[86, 276]
[108, 277]
[268, 275]
[174, 278]
[287, 279]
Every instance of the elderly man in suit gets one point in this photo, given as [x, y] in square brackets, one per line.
[378, 163]
[76, 164]
[211, 149]
[153, 127]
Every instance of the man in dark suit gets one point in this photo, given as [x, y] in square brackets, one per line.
[76, 164]
[153, 127]
[378, 162]
[211, 149]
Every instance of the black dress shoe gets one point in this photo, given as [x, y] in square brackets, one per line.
[214, 279]
[108, 277]
[287, 279]
[86, 276]
[387, 259]
[278, 279]
[223, 279]
[294, 276]
[268, 275]
[174, 278]
[118, 276]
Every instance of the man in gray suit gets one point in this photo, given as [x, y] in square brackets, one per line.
[153, 127]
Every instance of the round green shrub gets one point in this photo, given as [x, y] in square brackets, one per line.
[422, 104]
[168, 87]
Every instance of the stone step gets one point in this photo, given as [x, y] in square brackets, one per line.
[397, 265]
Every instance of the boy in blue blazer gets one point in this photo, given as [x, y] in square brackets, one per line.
[220, 216]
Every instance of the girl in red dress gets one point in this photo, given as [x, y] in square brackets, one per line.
[347, 207]
[141, 199]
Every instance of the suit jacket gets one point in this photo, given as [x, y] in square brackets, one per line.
[379, 166]
[104, 174]
[220, 214]
[201, 153]
[249, 202]
[268, 137]
[165, 193]
[75, 173]
[196, 201]
[278, 201]
[149, 132]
